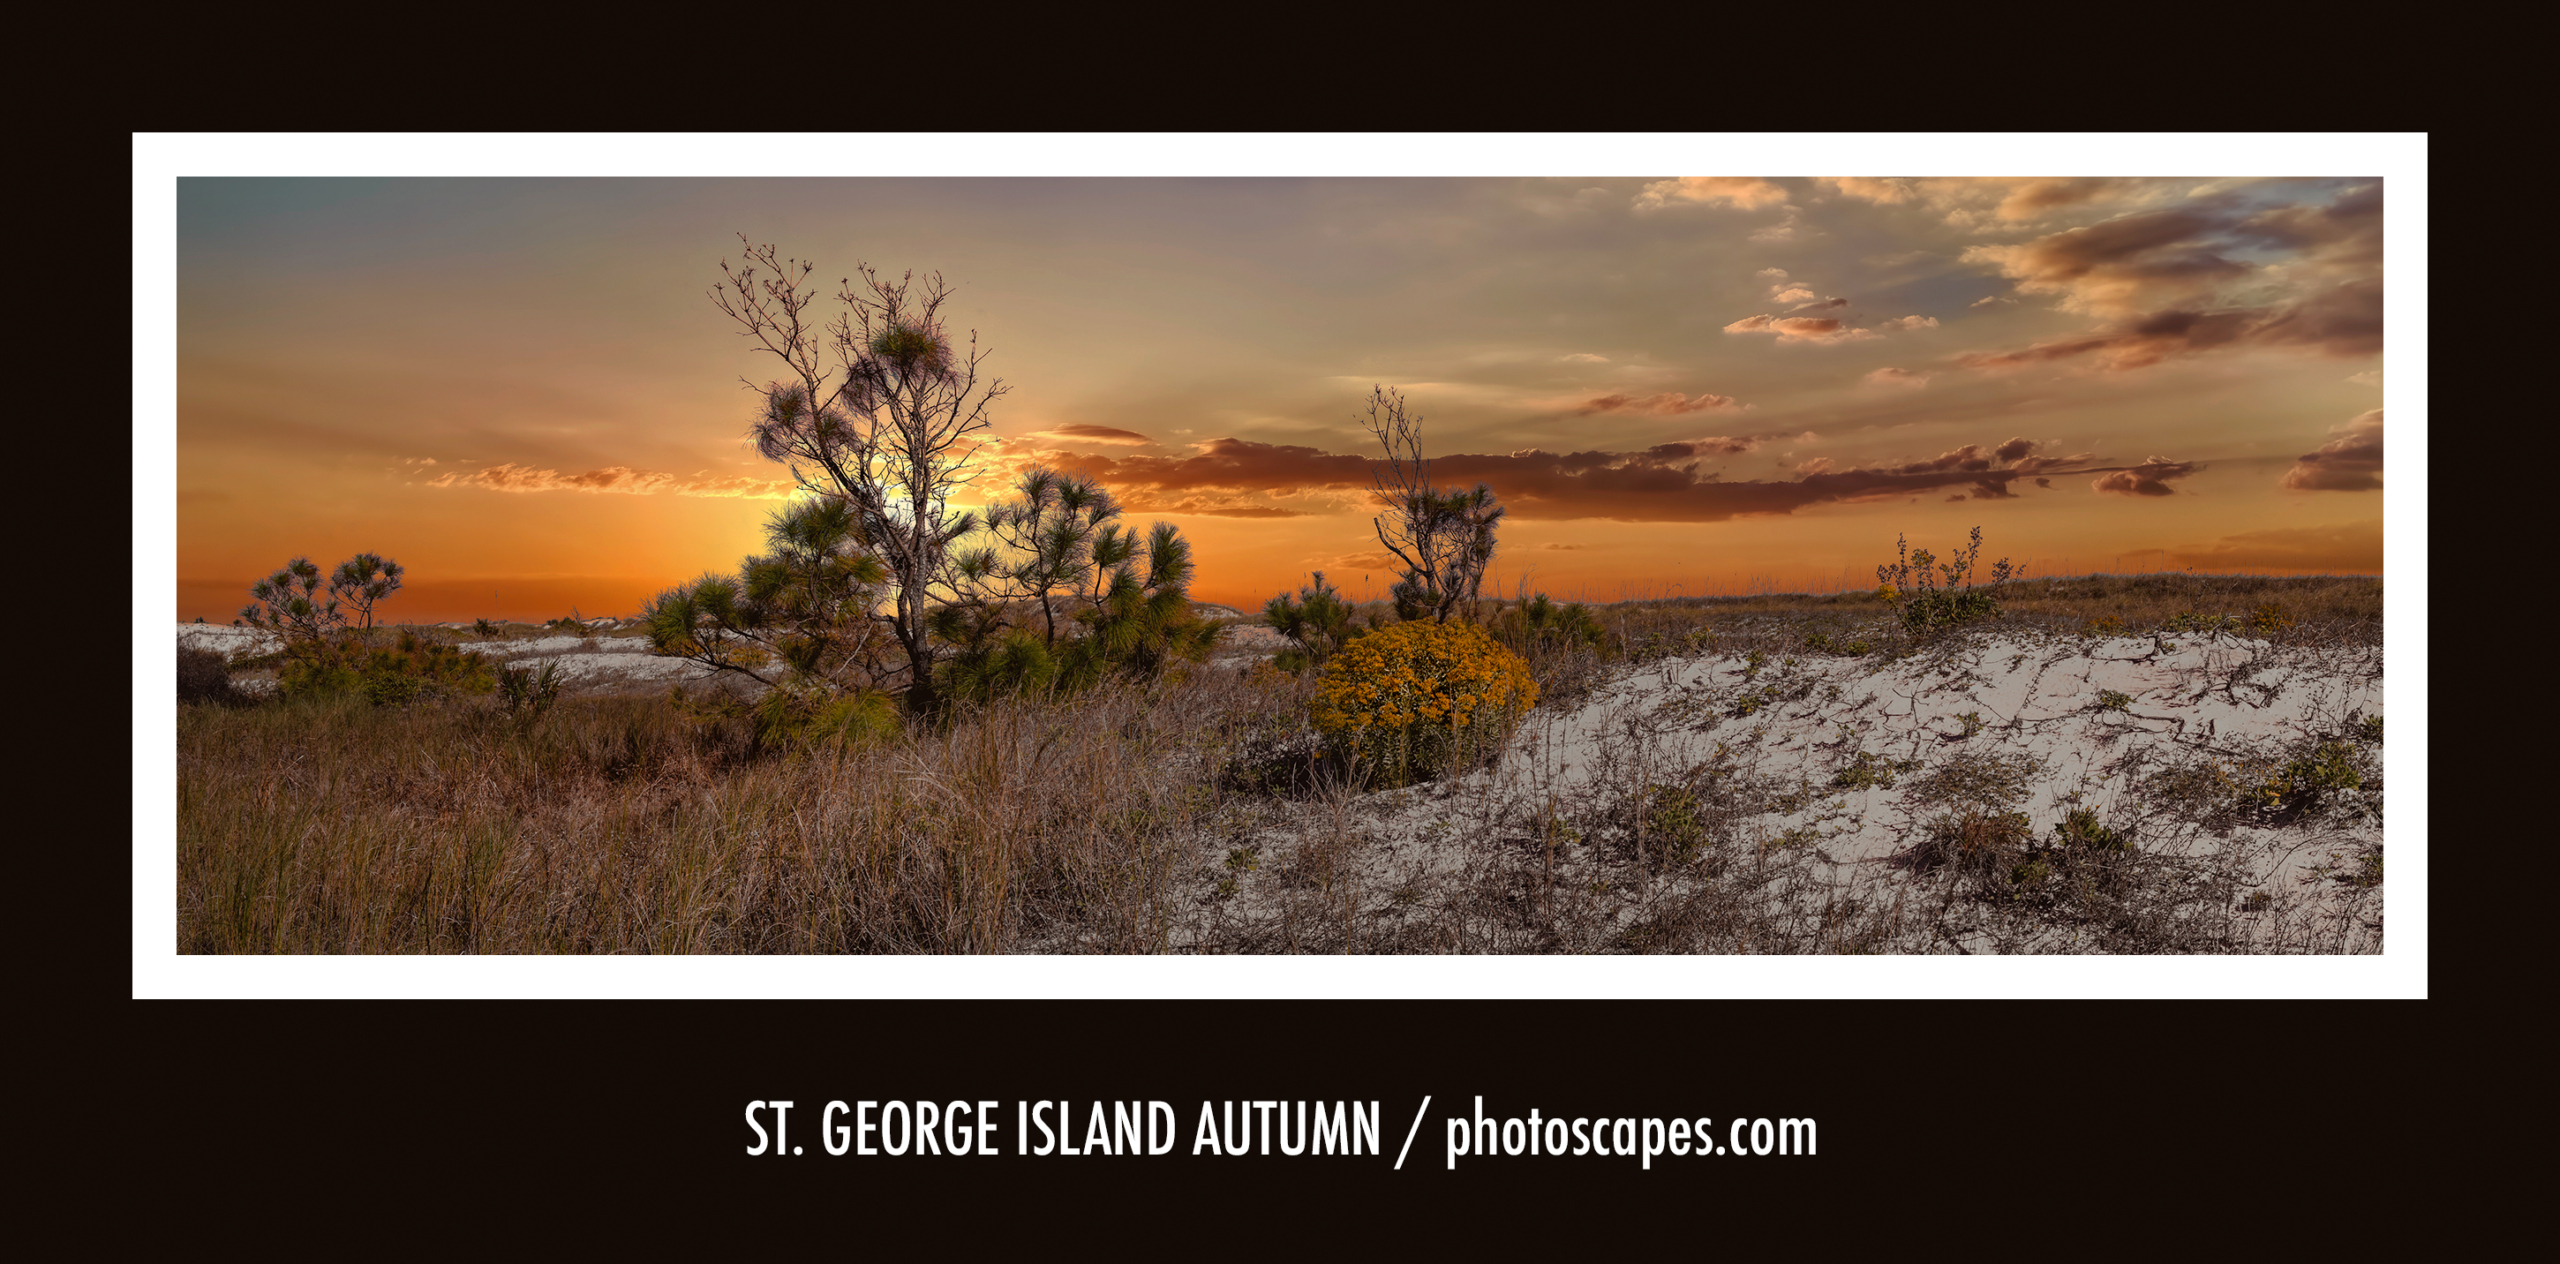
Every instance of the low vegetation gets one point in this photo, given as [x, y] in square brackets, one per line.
[1196, 812]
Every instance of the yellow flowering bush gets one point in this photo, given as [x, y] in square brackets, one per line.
[1416, 699]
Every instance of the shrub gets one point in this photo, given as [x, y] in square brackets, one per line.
[1138, 624]
[1317, 624]
[1976, 844]
[1417, 699]
[411, 670]
[2081, 828]
[2302, 785]
[803, 611]
[203, 676]
[1542, 624]
[2198, 621]
[1015, 661]
[1864, 772]
[1923, 590]
[1675, 824]
[523, 691]
[811, 717]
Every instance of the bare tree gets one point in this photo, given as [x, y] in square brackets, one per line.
[878, 410]
[1443, 540]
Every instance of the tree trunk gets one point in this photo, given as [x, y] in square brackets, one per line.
[921, 698]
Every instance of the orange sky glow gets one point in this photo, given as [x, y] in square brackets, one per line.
[520, 389]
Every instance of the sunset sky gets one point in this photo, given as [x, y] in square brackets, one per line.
[520, 389]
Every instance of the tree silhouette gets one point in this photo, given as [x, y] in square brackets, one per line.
[363, 580]
[1442, 540]
[879, 411]
[288, 603]
[807, 606]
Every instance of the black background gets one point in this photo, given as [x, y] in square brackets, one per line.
[467, 1123]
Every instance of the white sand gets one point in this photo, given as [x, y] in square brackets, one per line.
[613, 662]
[1796, 724]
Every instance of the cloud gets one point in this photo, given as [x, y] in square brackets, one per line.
[1783, 231]
[2353, 547]
[2031, 199]
[1825, 304]
[1886, 192]
[1229, 478]
[511, 477]
[2351, 461]
[1820, 330]
[1789, 294]
[1371, 561]
[1081, 433]
[1773, 274]
[2370, 377]
[2151, 478]
[2169, 282]
[1585, 357]
[1217, 509]
[615, 480]
[2344, 320]
[1747, 193]
[1891, 376]
[2018, 455]
[1669, 403]
[1909, 322]
[1668, 482]
[1712, 445]
[737, 486]
[1988, 203]
[2129, 264]
[2345, 235]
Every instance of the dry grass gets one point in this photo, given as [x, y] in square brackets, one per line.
[2314, 610]
[1194, 816]
[616, 825]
